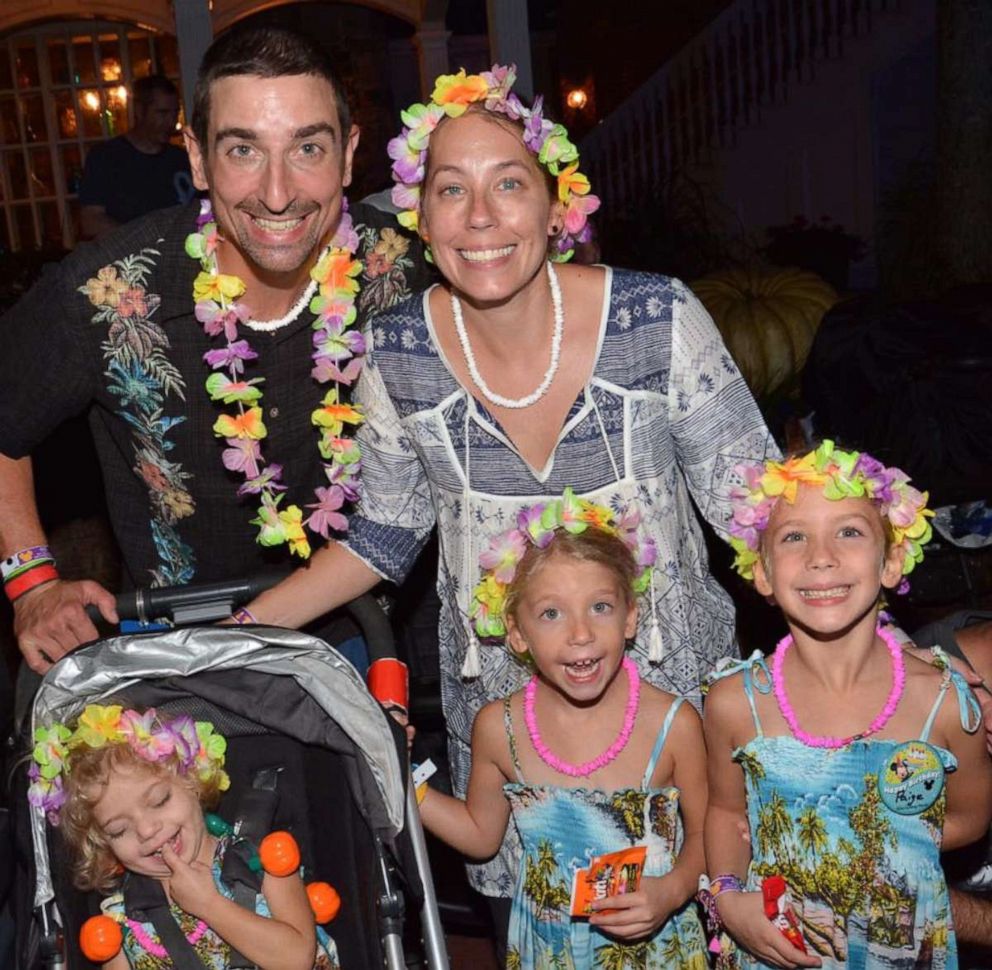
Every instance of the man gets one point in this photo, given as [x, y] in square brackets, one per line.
[139, 171]
[113, 330]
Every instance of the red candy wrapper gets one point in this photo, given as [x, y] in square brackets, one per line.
[778, 908]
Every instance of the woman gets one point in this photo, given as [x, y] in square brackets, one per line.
[514, 379]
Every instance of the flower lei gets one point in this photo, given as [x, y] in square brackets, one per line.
[452, 95]
[840, 474]
[337, 356]
[190, 746]
[537, 525]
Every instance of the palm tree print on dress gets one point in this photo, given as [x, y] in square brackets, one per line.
[548, 896]
[561, 830]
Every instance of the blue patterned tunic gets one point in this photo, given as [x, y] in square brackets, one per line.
[662, 421]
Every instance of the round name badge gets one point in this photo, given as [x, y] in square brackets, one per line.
[912, 778]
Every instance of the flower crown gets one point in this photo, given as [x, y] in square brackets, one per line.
[537, 525]
[193, 745]
[841, 474]
[452, 95]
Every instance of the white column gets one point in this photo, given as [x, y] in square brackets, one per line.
[194, 32]
[509, 40]
[432, 54]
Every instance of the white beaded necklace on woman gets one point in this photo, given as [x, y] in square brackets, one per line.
[549, 376]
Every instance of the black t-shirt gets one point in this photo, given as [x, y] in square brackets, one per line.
[128, 183]
[111, 330]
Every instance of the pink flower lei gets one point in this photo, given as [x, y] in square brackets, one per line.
[452, 95]
[337, 356]
[192, 746]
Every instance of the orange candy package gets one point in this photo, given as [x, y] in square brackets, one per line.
[613, 874]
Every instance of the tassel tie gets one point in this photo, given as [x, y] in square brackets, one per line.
[472, 666]
[656, 648]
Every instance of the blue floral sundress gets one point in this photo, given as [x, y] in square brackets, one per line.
[561, 830]
[866, 882]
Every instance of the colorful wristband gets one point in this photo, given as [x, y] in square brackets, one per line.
[726, 883]
[25, 559]
[243, 615]
[17, 587]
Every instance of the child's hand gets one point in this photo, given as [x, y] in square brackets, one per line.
[637, 914]
[743, 915]
[191, 885]
[400, 716]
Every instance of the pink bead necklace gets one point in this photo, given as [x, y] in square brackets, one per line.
[156, 949]
[610, 754]
[818, 741]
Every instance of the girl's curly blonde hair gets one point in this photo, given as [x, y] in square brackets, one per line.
[95, 866]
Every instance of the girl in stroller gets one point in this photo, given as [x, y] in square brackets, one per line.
[129, 789]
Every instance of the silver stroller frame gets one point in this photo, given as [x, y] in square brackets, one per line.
[355, 721]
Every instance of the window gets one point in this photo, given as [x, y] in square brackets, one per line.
[62, 89]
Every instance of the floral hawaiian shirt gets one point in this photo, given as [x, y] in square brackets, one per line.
[111, 330]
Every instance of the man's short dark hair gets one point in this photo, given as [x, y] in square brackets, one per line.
[145, 88]
[263, 52]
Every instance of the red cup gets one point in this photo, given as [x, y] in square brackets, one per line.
[388, 682]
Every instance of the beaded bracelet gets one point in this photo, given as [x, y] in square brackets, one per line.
[23, 560]
[725, 883]
[243, 615]
[24, 582]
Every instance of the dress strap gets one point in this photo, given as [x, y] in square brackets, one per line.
[756, 675]
[968, 706]
[512, 739]
[659, 743]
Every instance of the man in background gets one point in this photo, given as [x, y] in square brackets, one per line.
[139, 171]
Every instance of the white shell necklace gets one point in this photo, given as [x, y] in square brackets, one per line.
[270, 326]
[549, 376]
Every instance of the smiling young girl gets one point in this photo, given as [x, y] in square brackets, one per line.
[588, 759]
[128, 790]
[851, 763]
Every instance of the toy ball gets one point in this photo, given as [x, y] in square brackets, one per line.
[324, 901]
[280, 854]
[100, 939]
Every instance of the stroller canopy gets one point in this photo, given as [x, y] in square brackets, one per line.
[282, 681]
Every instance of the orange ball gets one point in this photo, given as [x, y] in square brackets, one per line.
[324, 901]
[100, 939]
[280, 854]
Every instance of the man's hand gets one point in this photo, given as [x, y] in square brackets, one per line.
[51, 620]
[191, 885]
[743, 915]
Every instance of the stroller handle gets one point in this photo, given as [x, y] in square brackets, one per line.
[195, 603]
[209, 602]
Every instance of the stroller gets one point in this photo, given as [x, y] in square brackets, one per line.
[300, 722]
